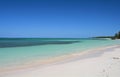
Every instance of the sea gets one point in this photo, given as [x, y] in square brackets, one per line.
[18, 51]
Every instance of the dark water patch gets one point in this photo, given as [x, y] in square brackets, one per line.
[23, 42]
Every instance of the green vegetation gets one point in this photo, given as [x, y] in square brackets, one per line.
[104, 37]
[116, 36]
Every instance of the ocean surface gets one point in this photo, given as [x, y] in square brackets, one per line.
[18, 51]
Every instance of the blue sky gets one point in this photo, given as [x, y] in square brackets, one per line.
[59, 18]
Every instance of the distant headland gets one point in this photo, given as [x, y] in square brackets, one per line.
[116, 36]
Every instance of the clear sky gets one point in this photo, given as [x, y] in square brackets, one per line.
[59, 18]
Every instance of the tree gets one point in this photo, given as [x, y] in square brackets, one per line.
[119, 35]
[116, 36]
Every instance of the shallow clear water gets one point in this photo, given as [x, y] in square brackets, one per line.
[17, 51]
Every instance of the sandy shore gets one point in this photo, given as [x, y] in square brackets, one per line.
[103, 62]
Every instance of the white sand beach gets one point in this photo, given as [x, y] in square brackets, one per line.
[98, 63]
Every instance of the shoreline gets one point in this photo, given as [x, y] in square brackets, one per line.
[61, 59]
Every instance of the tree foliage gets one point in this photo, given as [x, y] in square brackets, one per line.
[117, 35]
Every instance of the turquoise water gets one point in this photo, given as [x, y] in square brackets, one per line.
[18, 51]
